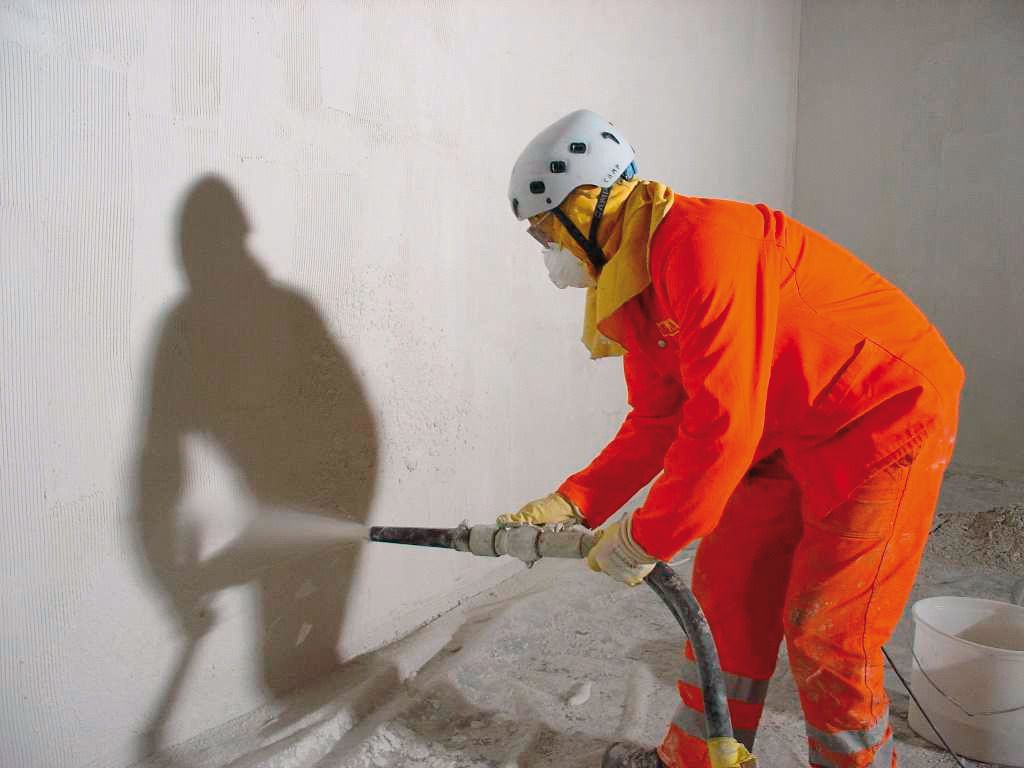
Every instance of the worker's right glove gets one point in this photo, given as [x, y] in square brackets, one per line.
[617, 554]
[553, 509]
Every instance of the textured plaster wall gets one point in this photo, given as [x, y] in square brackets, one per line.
[257, 256]
[910, 151]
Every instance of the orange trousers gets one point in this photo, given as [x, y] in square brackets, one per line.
[833, 585]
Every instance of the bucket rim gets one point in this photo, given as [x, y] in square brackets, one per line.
[989, 649]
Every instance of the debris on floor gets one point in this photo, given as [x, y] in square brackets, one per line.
[547, 669]
[990, 537]
[580, 694]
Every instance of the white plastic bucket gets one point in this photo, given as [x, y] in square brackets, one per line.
[968, 674]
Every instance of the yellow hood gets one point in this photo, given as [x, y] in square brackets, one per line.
[632, 215]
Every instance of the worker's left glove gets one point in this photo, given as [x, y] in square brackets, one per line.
[553, 509]
[618, 555]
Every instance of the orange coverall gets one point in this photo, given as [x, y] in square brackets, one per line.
[800, 411]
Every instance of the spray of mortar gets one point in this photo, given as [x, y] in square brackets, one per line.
[530, 543]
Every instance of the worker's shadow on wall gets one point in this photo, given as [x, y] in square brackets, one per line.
[248, 364]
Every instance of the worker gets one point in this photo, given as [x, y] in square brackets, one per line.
[795, 410]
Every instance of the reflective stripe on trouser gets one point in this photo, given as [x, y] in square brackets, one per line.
[870, 747]
[685, 745]
[693, 723]
[737, 687]
[832, 583]
[746, 701]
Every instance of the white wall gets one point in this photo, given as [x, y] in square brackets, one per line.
[910, 151]
[364, 330]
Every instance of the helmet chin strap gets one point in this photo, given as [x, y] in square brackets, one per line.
[590, 247]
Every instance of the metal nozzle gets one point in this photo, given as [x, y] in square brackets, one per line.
[444, 538]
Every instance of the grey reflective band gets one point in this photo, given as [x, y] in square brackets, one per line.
[690, 721]
[882, 758]
[737, 687]
[693, 723]
[850, 742]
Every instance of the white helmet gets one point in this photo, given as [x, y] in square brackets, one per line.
[581, 148]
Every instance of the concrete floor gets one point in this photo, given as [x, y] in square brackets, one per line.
[489, 684]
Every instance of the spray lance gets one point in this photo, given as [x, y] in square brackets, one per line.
[531, 543]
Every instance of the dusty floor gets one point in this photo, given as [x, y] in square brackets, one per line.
[490, 683]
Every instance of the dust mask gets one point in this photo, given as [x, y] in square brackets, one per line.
[565, 270]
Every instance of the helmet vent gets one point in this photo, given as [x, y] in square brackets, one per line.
[578, 148]
[558, 166]
[537, 187]
[606, 135]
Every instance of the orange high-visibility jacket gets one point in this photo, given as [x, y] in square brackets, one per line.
[756, 335]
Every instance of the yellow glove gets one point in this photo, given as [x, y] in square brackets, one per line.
[619, 556]
[553, 509]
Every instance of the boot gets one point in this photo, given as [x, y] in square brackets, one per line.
[622, 754]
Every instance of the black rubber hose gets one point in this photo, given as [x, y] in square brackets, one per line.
[417, 537]
[684, 606]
